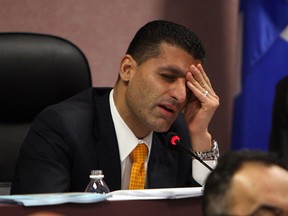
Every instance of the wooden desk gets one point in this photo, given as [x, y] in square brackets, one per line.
[188, 206]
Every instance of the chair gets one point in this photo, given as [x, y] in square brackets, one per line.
[36, 70]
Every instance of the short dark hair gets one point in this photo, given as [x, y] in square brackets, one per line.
[146, 42]
[218, 182]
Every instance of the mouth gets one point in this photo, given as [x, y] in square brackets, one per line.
[168, 108]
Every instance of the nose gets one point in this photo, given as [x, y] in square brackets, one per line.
[178, 91]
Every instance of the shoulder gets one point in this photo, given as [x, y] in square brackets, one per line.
[80, 107]
[84, 100]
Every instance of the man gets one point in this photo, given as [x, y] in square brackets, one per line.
[247, 183]
[160, 76]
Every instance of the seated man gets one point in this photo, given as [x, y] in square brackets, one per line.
[160, 76]
[247, 183]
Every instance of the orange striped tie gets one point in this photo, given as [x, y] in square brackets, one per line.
[138, 172]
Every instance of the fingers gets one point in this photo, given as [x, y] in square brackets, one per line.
[198, 113]
[205, 77]
[199, 81]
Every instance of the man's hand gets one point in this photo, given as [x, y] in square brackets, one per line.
[200, 108]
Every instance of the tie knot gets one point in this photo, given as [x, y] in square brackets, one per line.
[139, 154]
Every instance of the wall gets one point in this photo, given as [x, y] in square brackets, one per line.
[103, 29]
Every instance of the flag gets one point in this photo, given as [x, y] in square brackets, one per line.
[264, 64]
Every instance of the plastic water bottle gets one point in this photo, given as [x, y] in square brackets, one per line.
[97, 184]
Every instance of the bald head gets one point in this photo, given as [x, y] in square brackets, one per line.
[245, 182]
[255, 185]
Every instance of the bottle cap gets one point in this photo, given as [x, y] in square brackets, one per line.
[96, 174]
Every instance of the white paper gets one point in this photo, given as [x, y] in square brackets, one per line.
[61, 198]
[151, 194]
[53, 198]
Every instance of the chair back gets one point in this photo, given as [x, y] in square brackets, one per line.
[36, 70]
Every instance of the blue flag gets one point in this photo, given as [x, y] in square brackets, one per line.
[264, 64]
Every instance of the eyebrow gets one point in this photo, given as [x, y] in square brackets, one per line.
[176, 71]
[271, 209]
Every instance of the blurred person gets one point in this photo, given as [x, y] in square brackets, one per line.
[247, 182]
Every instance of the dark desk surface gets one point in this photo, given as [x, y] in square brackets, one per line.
[188, 206]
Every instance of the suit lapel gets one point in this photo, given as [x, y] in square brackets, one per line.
[106, 141]
[163, 163]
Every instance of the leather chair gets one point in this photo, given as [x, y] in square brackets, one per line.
[36, 70]
[279, 127]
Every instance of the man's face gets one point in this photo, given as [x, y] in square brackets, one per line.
[156, 91]
[256, 185]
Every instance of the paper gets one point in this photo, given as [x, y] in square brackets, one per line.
[150, 194]
[61, 198]
[53, 198]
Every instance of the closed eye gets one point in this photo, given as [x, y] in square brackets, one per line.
[171, 73]
[169, 77]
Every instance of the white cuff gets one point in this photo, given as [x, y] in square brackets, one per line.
[200, 172]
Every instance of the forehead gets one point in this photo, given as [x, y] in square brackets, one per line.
[167, 50]
[172, 57]
[255, 185]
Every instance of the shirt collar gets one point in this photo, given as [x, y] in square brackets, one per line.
[127, 141]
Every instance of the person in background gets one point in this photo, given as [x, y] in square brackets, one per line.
[279, 124]
[247, 182]
[161, 87]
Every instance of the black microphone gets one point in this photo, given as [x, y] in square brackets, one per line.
[175, 140]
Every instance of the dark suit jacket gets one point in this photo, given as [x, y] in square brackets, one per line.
[71, 138]
[279, 127]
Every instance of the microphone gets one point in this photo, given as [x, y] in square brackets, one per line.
[175, 140]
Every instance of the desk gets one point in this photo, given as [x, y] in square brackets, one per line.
[188, 206]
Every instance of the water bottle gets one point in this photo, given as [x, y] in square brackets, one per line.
[97, 184]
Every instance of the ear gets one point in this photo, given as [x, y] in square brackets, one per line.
[127, 67]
